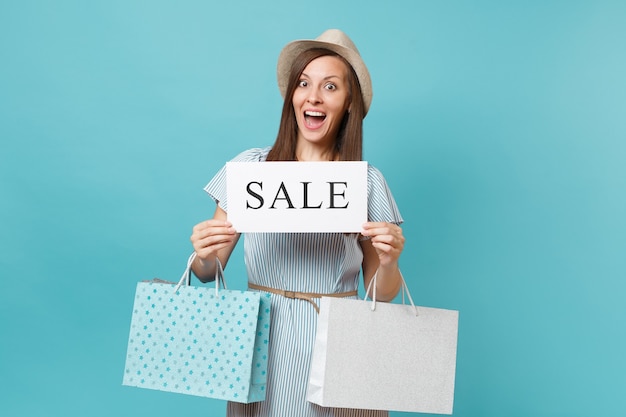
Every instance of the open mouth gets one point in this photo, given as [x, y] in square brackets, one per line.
[314, 119]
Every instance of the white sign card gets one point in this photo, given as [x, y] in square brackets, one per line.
[282, 196]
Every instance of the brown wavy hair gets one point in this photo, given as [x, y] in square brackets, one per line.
[349, 141]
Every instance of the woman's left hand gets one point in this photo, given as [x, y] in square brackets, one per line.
[387, 239]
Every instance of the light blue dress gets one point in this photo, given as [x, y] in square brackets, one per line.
[304, 262]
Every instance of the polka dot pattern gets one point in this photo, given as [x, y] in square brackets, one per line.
[194, 341]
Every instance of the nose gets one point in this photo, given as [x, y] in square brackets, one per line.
[314, 96]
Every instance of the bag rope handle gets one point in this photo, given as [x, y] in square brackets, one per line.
[405, 289]
[219, 274]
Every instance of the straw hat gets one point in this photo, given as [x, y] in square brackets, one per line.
[336, 41]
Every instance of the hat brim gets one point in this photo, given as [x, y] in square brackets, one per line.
[291, 51]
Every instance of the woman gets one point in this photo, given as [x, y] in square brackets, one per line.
[327, 93]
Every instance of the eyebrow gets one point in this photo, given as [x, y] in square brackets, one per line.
[325, 78]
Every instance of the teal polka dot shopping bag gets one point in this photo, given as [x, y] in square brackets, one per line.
[202, 341]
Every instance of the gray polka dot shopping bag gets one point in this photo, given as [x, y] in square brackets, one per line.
[203, 341]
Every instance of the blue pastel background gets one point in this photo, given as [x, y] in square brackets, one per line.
[500, 126]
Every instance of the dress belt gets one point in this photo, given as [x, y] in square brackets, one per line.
[306, 296]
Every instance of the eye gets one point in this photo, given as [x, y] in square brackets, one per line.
[302, 83]
[330, 86]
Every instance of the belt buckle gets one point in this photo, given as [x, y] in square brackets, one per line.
[289, 294]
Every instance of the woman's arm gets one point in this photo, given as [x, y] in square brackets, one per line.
[212, 238]
[380, 256]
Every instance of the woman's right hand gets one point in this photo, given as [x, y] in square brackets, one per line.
[210, 239]
[211, 236]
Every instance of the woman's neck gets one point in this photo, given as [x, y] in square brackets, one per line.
[314, 153]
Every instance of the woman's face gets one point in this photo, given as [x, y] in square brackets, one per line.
[320, 101]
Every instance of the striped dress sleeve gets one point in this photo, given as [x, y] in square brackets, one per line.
[381, 206]
[216, 188]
